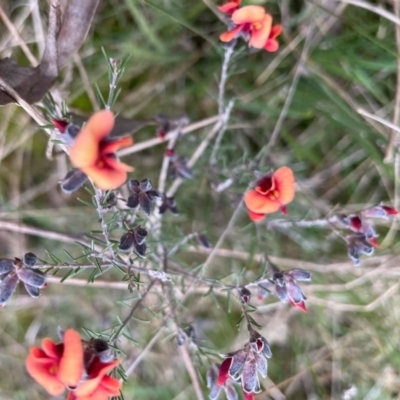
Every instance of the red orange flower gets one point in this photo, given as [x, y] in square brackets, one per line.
[82, 367]
[272, 192]
[252, 21]
[56, 366]
[94, 153]
[230, 7]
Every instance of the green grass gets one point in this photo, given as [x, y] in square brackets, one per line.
[338, 159]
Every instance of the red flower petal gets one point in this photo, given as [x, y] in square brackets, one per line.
[301, 305]
[96, 372]
[260, 204]
[71, 364]
[106, 178]
[229, 7]
[112, 146]
[248, 396]
[285, 184]
[51, 349]
[272, 45]
[276, 30]
[248, 14]
[260, 32]
[230, 35]
[255, 216]
[224, 371]
[390, 210]
[43, 371]
[85, 150]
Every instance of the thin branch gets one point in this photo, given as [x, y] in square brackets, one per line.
[156, 141]
[375, 9]
[134, 308]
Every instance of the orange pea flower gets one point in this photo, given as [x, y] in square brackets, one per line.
[272, 192]
[252, 21]
[94, 153]
[272, 44]
[230, 7]
[98, 386]
[80, 366]
[57, 366]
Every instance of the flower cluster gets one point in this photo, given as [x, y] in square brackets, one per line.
[168, 204]
[271, 193]
[135, 238]
[243, 365]
[285, 286]
[363, 240]
[253, 24]
[13, 271]
[81, 367]
[143, 195]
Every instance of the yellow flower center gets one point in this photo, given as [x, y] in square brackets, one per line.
[53, 369]
[273, 194]
[257, 25]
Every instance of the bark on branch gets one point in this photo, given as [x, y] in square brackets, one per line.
[67, 31]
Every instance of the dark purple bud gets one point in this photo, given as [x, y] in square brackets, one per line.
[145, 203]
[72, 132]
[134, 185]
[375, 212]
[365, 248]
[126, 241]
[163, 125]
[140, 235]
[140, 249]
[73, 181]
[6, 265]
[343, 219]
[145, 185]
[249, 376]
[133, 200]
[109, 200]
[299, 274]
[32, 277]
[204, 241]
[180, 338]
[7, 287]
[265, 350]
[179, 168]
[215, 389]
[279, 278]
[281, 292]
[380, 211]
[33, 291]
[353, 253]
[238, 360]
[368, 230]
[153, 195]
[262, 365]
[230, 393]
[29, 259]
[293, 291]
[263, 290]
[245, 295]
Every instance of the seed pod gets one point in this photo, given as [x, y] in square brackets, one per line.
[29, 259]
[6, 265]
[7, 287]
[32, 277]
